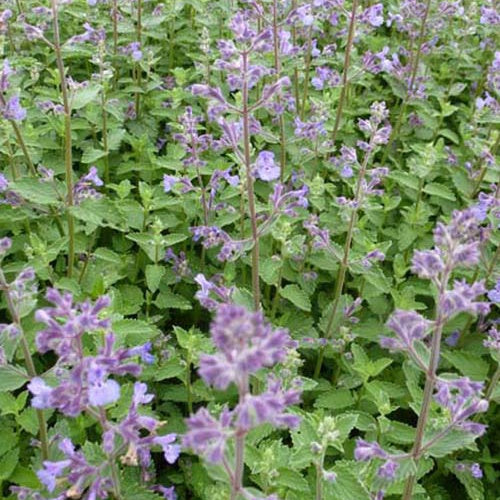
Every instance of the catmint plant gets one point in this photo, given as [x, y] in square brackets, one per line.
[245, 343]
[456, 246]
[378, 131]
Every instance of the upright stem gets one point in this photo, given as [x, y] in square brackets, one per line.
[250, 193]
[30, 365]
[347, 60]
[68, 161]
[295, 70]
[430, 381]
[413, 76]
[138, 66]
[115, 27]
[237, 479]
[306, 73]
[344, 264]
[277, 69]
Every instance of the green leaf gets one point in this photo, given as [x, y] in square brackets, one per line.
[334, 399]
[450, 442]
[439, 190]
[84, 96]
[347, 485]
[169, 300]
[134, 331]
[8, 463]
[292, 480]
[296, 296]
[91, 155]
[269, 270]
[154, 275]
[470, 365]
[35, 191]
[129, 300]
[11, 379]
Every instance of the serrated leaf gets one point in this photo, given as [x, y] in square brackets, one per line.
[334, 399]
[169, 300]
[269, 270]
[439, 190]
[292, 480]
[134, 331]
[296, 296]
[91, 155]
[154, 275]
[35, 191]
[11, 379]
[450, 442]
[347, 485]
[470, 365]
[84, 96]
[8, 463]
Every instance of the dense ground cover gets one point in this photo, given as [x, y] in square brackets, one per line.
[249, 249]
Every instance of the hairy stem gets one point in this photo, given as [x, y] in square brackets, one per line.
[347, 59]
[28, 359]
[413, 75]
[68, 161]
[344, 264]
[277, 69]
[249, 181]
[430, 381]
[308, 58]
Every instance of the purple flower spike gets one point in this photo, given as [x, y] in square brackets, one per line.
[246, 343]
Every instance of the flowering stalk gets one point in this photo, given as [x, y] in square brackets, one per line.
[308, 57]
[245, 115]
[414, 69]
[68, 161]
[138, 66]
[277, 69]
[347, 60]
[20, 139]
[377, 136]
[30, 365]
[245, 343]
[456, 244]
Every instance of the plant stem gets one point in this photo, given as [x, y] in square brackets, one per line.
[277, 69]
[306, 73]
[237, 479]
[68, 161]
[249, 180]
[138, 66]
[430, 381]
[28, 359]
[493, 383]
[344, 264]
[414, 68]
[347, 59]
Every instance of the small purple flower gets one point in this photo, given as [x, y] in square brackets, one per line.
[207, 436]
[169, 181]
[494, 293]
[13, 110]
[366, 450]
[50, 472]
[266, 168]
[388, 470]
[475, 470]
[170, 451]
